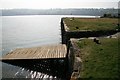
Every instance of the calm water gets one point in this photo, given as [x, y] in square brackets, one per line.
[28, 31]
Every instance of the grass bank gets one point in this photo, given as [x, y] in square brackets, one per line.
[93, 24]
[99, 60]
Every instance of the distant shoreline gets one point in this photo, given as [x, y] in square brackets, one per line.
[91, 12]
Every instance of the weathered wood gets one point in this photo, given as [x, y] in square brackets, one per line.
[44, 52]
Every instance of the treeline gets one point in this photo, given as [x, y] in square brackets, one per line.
[92, 12]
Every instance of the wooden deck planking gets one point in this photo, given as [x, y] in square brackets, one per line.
[60, 52]
[44, 52]
[12, 53]
[20, 53]
[56, 52]
[36, 53]
[41, 51]
[27, 51]
[65, 49]
[32, 53]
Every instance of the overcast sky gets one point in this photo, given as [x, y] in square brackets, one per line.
[45, 4]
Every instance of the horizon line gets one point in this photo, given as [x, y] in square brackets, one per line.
[58, 8]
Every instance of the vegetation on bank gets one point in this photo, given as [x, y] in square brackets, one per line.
[93, 24]
[99, 60]
[108, 15]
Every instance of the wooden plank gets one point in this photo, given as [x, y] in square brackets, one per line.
[26, 53]
[58, 51]
[51, 52]
[30, 55]
[38, 53]
[11, 54]
[44, 52]
[65, 50]
[47, 54]
[33, 53]
[20, 53]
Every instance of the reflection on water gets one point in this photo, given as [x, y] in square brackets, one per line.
[32, 74]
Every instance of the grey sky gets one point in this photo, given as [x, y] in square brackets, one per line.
[43, 4]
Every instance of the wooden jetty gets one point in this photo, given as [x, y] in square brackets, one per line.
[51, 59]
[44, 52]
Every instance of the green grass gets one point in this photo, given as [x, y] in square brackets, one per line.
[94, 24]
[99, 60]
